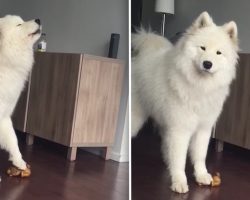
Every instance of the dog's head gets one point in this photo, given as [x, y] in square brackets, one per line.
[209, 47]
[16, 33]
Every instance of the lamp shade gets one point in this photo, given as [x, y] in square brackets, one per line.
[164, 6]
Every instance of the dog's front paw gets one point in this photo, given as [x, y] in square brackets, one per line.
[203, 179]
[179, 182]
[20, 164]
[179, 187]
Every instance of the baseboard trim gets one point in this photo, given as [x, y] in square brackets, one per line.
[113, 155]
[119, 157]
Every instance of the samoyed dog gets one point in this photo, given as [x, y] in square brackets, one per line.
[16, 58]
[183, 87]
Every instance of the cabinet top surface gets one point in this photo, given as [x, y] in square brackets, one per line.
[88, 56]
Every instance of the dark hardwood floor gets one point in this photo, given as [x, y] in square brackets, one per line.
[150, 179]
[55, 178]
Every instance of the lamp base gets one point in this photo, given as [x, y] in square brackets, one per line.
[163, 24]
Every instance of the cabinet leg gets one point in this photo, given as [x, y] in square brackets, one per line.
[219, 145]
[72, 153]
[106, 153]
[29, 139]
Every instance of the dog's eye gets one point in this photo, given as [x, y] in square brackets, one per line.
[203, 48]
[18, 24]
[218, 52]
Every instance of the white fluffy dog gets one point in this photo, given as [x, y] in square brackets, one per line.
[16, 58]
[183, 87]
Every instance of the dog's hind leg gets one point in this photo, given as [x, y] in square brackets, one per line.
[198, 151]
[137, 117]
[8, 141]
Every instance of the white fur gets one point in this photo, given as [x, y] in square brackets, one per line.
[170, 84]
[16, 59]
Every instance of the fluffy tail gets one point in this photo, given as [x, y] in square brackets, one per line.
[148, 41]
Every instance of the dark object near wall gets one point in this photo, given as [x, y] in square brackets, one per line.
[136, 14]
[113, 45]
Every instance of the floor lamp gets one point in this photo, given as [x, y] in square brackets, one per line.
[164, 7]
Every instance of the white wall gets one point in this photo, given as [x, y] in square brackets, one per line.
[120, 150]
[80, 26]
[187, 10]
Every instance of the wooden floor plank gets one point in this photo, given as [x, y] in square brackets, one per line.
[150, 179]
[55, 178]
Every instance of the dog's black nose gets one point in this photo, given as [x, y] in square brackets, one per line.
[207, 64]
[38, 21]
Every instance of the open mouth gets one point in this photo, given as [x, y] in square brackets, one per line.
[38, 31]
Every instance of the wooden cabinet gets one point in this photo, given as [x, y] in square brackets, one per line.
[19, 116]
[233, 125]
[71, 99]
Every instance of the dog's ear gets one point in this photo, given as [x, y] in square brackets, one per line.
[231, 30]
[204, 20]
